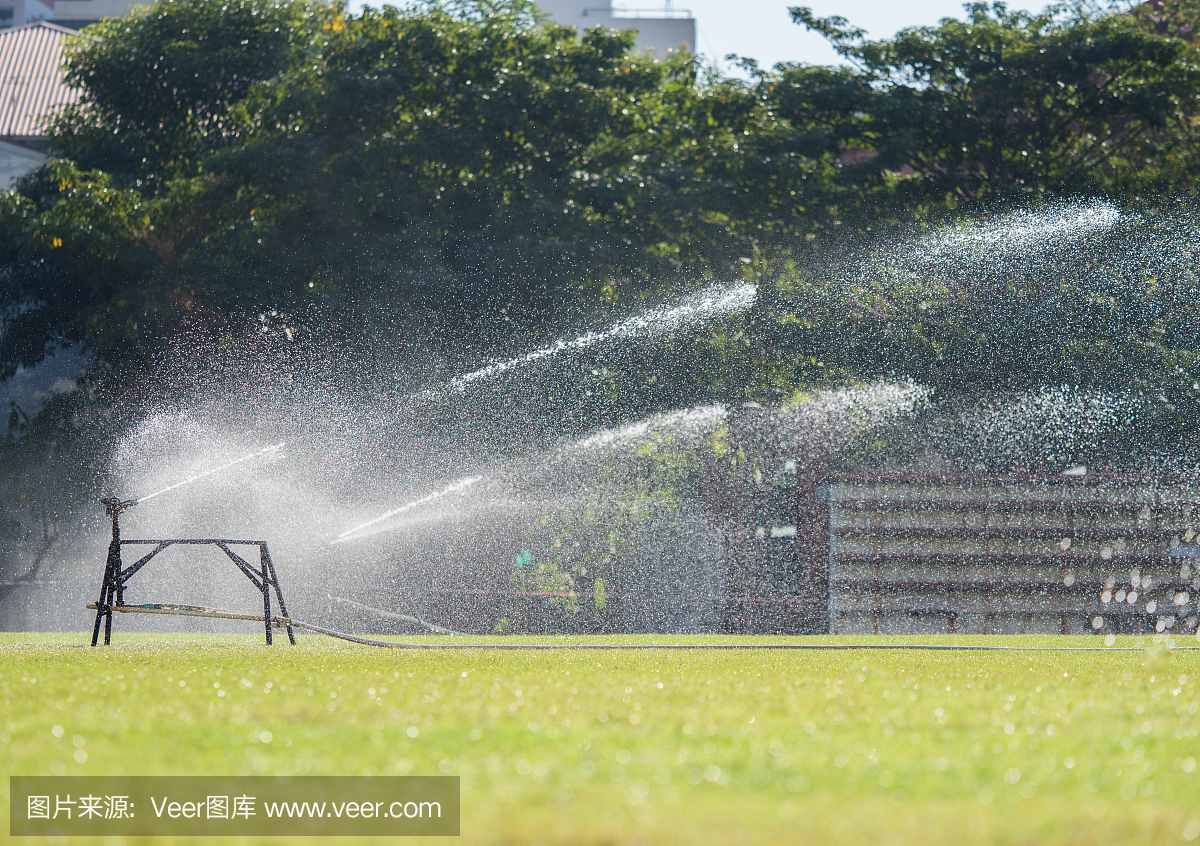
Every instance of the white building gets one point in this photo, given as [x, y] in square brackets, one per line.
[16, 161]
[18, 12]
[76, 14]
[31, 89]
[660, 31]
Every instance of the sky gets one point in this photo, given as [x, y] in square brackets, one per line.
[761, 29]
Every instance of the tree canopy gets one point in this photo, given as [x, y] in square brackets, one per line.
[467, 173]
[163, 89]
[1012, 102]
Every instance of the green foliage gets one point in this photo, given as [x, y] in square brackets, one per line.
[457, 151]
[424, 166]
[1059, 102]
[469, 173]
[170, 82]
[78, 267]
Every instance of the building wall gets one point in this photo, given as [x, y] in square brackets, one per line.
[18, 12]
[77, 14]
[659, 35]
[576, 12]
[15, 162]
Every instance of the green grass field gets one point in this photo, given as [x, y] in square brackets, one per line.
[652, 747]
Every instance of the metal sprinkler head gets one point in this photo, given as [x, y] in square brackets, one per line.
[114, 506]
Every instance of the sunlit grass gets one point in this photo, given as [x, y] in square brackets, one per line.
[656, 747]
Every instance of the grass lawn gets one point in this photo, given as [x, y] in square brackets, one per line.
[653, 747]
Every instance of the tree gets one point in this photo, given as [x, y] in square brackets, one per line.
[430, 169]
[1065, 101]
[76, 267]
[465, 176]
[170, 82]
[427, 156]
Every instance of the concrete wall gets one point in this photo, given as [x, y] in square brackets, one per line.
[659, 36]
[576, 12]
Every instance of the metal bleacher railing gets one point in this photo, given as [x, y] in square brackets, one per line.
[1015, 553]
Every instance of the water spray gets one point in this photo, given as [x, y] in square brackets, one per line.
[707, 305]
[461, 484]
[265, 579]
[1019, 231]
[116, 575]
[1174, 602]
[198, 476]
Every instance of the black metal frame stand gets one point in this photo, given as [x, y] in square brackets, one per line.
[112, 588]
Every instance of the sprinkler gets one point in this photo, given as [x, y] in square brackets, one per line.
[112, 587]
[116, 576]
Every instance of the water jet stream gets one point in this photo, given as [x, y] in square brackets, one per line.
[1018, 231]
[199, 476]
[708, 304]
[408, 506]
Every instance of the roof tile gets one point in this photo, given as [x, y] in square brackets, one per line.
[31, 77]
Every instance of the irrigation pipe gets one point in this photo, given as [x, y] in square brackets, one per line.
[280, 622]
[394, 615]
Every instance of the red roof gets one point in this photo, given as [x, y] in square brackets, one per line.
[31, 77]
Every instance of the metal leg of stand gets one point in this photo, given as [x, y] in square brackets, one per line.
[266, 560]
[112, 590]
[266, 589]
[100, 605]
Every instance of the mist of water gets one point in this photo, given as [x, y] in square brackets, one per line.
[472, 509]
[686, 423]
